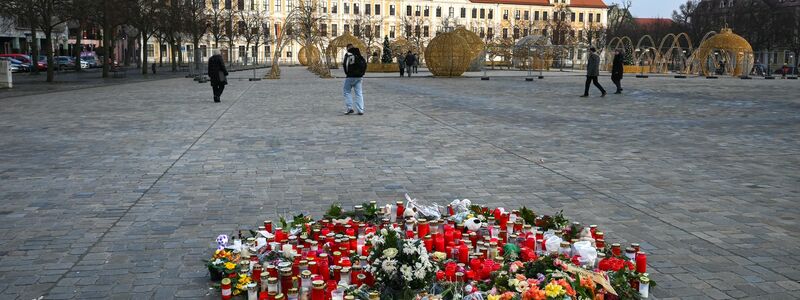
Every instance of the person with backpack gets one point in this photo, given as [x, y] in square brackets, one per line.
[410, 61]
[354, 67]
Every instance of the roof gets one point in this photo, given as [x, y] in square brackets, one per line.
[653, 21]
[573, 3]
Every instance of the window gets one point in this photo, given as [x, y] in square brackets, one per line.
[214, 3]
[483, 13]
[438, 11]
[536, 16]
[357, 30]
[451, 13]
[525, 32]
[203, 51]
[463, 12]
[355, 9]
[242, 51]
[367, 9]
[266, 6]
[418, 11]
[408, 10]
[597, 18]
[289, 4]
[417, 31]
[323, 7]
[408, 30]
[544, 15]
[427, 11]
[267, 50]
[425, 31]
[278, 5]
[391, 10]
[228, 4]
[289, 54]
[334, 29]
[516, 33]
[489, 32]
[516, 14]
[526, 15]
[346, 8]
[150, 50]
[491, 14]
[377, 9]
[252, 6]
[483, 33]
[323, 28]
[505, 33]
[346, 27]
[572, 17]
[591, 18]
[505, 14]
[474, 13]
[335, 8]
[391, 32]
[378, 30]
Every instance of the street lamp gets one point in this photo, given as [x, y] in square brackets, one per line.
[794, 67]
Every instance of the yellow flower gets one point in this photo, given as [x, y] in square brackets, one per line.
[494, 297]
[553, 290]
[439, 255]
[230, 265]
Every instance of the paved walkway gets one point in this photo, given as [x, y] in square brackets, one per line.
[119, 191]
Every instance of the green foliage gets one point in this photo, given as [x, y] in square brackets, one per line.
[573, 232]
[479, 211]
[386, 58]
[334, 212]
[539, 266]
[527, 215]
[283, 223]
[620, 280]
[553, 222]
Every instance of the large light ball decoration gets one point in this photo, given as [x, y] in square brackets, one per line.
[729, 47]
[314, 53]
[448, 55]
[475, 45]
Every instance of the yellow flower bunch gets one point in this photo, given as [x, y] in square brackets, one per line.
[494, 297]
[230, 265]
[554, 290]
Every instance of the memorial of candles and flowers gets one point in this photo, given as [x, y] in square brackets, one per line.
[409, 251]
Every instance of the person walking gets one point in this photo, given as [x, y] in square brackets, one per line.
[592, 72]
[617, 70]
[416, 62]
[217, 73]
[409, 63]
[401, 61]
[354, 67]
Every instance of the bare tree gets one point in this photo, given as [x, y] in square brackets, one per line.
[24, 11]
[620, 19]
[306, 29]
[81, 13]
[196, 24]
[172, 25]
[414, 31]
[250, 26]
[216, 22]
[51, 14]
[230, 32]
[369, 30]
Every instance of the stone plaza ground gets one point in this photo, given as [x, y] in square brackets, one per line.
[118, 192]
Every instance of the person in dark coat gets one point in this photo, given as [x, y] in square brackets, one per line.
[416, 63]
[617, 70]
[410, 61]
[401, 61]
[592, 72]
[218, 74]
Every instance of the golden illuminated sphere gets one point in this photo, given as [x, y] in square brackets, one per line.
[314, 53]
[731, 47]
[448, 55]
[344, 39]
[473, 40]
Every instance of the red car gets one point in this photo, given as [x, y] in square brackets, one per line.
[41, 65]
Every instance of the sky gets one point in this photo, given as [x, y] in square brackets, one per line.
[651, 8]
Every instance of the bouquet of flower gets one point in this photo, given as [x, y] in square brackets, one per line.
[400, 265]
[222, 264]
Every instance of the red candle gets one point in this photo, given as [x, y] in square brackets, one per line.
[439, 243]
[463, 253]
[423, 228]
[268, 226]
[448, 236]
[318, 293]
[641, 262]
[225, 287]
[428, 243]
[475, 264]
[616, 250]
[400, 210]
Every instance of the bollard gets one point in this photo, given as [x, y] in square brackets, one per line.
[6, 81]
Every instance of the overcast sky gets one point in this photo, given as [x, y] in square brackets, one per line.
[652, 8]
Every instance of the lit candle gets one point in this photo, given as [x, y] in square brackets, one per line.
[641, 262]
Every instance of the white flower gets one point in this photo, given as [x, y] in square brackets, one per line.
[409, 248]
[216, 262]
[408, 273]
[390, 253]
[420, 272]
[389, 266]
[384, 231]
[377, 240]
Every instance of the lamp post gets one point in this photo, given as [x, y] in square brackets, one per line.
[541, 64]
[794, 67]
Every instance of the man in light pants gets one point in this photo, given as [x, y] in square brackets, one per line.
[354, 66]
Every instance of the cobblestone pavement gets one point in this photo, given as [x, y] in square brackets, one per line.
[118, 192]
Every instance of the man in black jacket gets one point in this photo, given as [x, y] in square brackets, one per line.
[217, 73]
[410, 61]
[617, 69]
[354, 67]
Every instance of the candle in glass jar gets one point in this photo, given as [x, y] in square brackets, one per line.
[225, 287]
[616, 249]
[423, 228]
[644, 287]
[463, 253]
[286, 280]
[400, 210]
[272, 284]
[641, 262]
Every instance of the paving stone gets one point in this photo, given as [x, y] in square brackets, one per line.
[130, 184]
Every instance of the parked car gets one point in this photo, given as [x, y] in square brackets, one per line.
[789, 71]
[16, 65]
[91, 61]
[64, 62]
[25, 59]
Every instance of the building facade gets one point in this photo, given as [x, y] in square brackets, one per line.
[372, 20]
